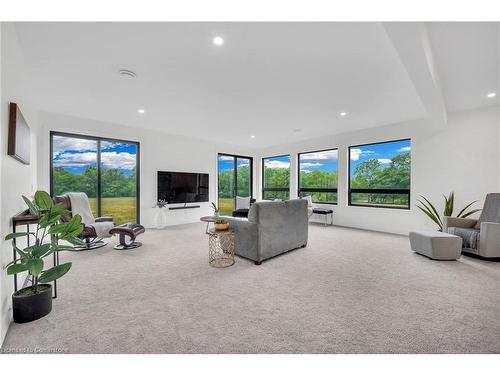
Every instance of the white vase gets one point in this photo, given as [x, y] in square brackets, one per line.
[161, 218]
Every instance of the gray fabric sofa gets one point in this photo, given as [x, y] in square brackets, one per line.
[272, 228]
[480, 237]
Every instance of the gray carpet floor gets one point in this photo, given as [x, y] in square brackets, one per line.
[348, 291]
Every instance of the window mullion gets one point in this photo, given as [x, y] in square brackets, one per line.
[99, 182]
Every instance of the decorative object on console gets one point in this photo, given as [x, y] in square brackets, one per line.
[35, 301]
[94, 228]
[449, 202]
[216, 210]
[480, 237]
[19, 144]
[161, 215]
[221, 224]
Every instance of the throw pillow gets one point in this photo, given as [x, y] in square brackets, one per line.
[242, 203]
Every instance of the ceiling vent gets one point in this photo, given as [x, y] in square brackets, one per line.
[127, 73]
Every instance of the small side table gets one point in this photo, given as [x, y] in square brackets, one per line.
[220, 248]
[208, 220]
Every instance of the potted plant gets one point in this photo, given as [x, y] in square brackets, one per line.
[221, 224]
[449, 205]
[35, 301]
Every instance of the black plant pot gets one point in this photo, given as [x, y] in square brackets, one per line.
[29, 308]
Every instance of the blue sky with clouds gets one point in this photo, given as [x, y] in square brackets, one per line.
[383, 152]
[226, 162]
[75, 154]
[277, 162]
[325, 161]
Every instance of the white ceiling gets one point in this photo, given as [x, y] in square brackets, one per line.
[267, 80]
[467, 56]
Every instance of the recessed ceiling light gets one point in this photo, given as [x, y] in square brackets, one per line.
[252, 136]
[343, 114]
[218, 41]
[141, 111]
[491, 95]
[127, 73]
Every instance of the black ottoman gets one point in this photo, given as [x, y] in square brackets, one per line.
[241, 212]
[128, 233]
[325, 212]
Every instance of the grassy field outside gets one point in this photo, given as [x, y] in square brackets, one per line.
[365, 203]
[226, 206]
[380, 200]
[121, 209]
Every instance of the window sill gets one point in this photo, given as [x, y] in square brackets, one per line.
[377, 206]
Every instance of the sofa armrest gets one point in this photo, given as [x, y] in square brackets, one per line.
[457, 222]
[489, 240]
[103, 218]
[246, 242]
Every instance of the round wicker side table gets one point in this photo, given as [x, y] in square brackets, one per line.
[220, 248]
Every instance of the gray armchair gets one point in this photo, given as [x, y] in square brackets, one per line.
[480, 237]
[272, 228]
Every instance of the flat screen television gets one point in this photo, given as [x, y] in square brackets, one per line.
[182, 187]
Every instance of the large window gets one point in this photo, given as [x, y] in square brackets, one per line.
[379, 174]
[234, 179]
[105, 169]
[318, 175]
[276, 177]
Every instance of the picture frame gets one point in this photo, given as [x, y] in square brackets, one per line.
[19, 141]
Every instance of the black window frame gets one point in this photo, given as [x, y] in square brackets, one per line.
[235, 174]
[317, 190]
[264, 189]
[350, 190]
[98, 166]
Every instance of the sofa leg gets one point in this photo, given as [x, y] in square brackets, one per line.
[257, 263]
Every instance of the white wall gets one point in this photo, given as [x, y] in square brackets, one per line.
[16, 178]
[159, 151]
[464, 157]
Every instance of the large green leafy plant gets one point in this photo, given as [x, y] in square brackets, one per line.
[449, 205]
[49, 231]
